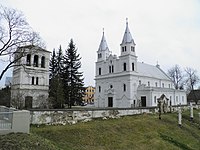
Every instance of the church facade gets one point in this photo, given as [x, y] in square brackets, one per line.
[123, 82]
[30, 82]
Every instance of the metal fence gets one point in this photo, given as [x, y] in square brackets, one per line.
[6, 120]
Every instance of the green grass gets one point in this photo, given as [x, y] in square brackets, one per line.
[131, 132]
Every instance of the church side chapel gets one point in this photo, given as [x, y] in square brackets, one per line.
[123, 82]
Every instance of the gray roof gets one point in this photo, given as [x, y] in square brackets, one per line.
[127, 38]
[103, 45]
[151, 71]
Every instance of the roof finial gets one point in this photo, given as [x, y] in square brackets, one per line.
[103, 31]
[126, 21]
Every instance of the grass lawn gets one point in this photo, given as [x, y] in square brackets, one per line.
[140, 132]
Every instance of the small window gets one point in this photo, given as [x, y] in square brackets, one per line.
[43, 62]
[32, 80]
[155, 99]
[132, 49]
[37, 80]
[133, 67]
[183, 99]
[28, 60]
[99, 71]
[156, 84]
[169, 85]
[122, 49]
[109, 69]
[124, 87]
[111, 86]
[99, 89]
[35, 62]
[125, 48]
[140, 82]
[124, 66]
[163, 85]
[148, 83]
[112, 68]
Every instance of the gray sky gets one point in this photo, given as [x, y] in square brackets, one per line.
[165, 31]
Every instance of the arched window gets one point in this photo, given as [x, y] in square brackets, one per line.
[155, 99]
[124, 66]
[35, 61]
[28, 60]
[99, 71]
[124, 87]
[99, 89]
[37, 80]
[32, 80]
[43, 62]
[133, 67]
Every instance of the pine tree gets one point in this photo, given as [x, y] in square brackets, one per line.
[52, 65]
[56, 91]
[73, 78]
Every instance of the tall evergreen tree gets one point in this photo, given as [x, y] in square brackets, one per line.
[52, 65]
[56, 92]
[73, 78]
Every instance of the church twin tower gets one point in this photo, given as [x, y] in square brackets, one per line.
[124, 82]
[113, 73]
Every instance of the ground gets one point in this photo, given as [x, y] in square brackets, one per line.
[138, 132]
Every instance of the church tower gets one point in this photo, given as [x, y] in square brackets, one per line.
[127, 48]
[30, 84]
[103, 51]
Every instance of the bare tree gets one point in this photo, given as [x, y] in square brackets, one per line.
[176, 74]
[14, 32]
[191, 78]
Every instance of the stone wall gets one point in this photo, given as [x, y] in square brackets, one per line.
[66, 116]
[72, 116]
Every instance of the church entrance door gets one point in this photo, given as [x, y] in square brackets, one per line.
[143, 101]
[110, 101]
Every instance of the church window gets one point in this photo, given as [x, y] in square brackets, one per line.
[99, 89]
[148, 83]
[155, 99]
[32, 80]
[28, 60]
[111, 86]
[35, 62]
[177, 99]
[132, 49]
[124, 87]
[122, 49]
[182, 99]
[169, 85]
[124, 66]
[156, 84]
[99, 55]
[112, 68]
[139, 82]
[133, 67]
[37, 80]
[163, 85]
[99, 71]
[109, 69]
[43, 62]
[125, 48]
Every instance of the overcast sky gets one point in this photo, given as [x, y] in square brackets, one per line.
[165, 31]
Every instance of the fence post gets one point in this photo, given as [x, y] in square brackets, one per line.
[191, 112]
[199, 120]
[179, 117]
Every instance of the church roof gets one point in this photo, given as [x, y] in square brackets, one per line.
[151, 71]
[127, 38]
[103, 45]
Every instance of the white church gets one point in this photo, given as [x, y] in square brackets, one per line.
[123, 82]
